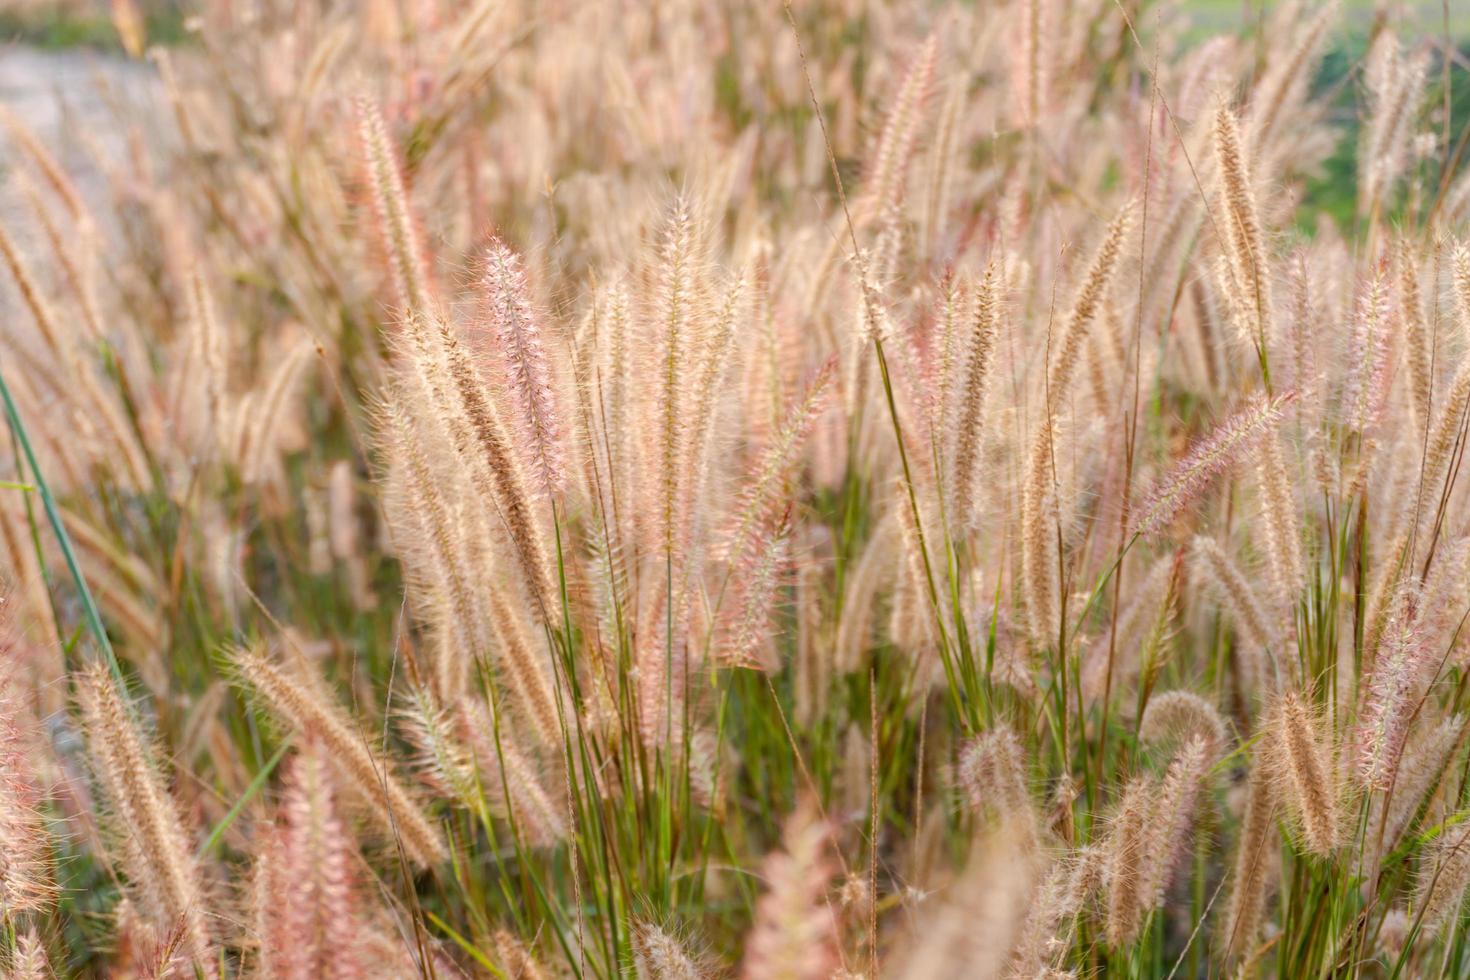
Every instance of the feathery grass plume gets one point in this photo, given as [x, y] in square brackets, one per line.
[208, 342]
[1394, 83]
[517, 960]
[1234, 307]
[1029, 63]
[1444, 436]
[1245, 244]
[91, 540]
[1303, 332]
[1097, 376]
[1207, 459]
[72, 249]
[1393, 934]
[1159, 628]
[509, 780]
[704, 764]
[939, 181]
[1457, 200]
[1175, 717]
[1444, 876]
[860, 596]
[874, 320]
[539, 818]
[991, 774]
[911, 624]
[813, 669]
[1310, 783]
[139, 948]
[1099, 368]
[1174, 811]
[765, 482]
[1460, 284]
[1283, 531]
[1445, 589]
[1360, 474]
[307, 709]
[677, 312]
[260, 422]
[659, 956]
[448, 543]
[712, 353]
[51, 170]
[533, 694]
[1113, 341]
[660, 665]
[1089, 300]
[513, 327]
[614, 382]
[395, 954]
[1416, 333]
[1284, 83]
[1256, 866]
[1426, 762]
[168, 958]
[884, 181]
[1388, 699]
[1129, 838]
[440, 761]
[25, 607]
[795, 934]
[306, 906]
[976, 926]
[158, 854]
[399, 237]
[80, 387]
[135, 618]
[27, 881]
[946, 356]
[669, 488]
[29, 961]
[1046, 933]
[495, 470]
[979, 351]
[430, 540]
[756, 585]
[1383, 593]
[1366, 387]
[1039, 587]
[1144, 629]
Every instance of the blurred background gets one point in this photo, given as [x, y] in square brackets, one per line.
[512, 117]
[83, 60]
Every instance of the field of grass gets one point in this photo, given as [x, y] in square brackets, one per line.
[596, 489]
[1428, 17]
[95, 24]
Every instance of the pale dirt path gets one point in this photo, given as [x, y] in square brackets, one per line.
[60, 95]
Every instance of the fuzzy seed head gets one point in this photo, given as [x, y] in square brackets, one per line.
[1205, 461]
[516, 333]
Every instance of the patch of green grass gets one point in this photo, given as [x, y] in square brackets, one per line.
[1333, 192]
[57, 29]
[1427, 16]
